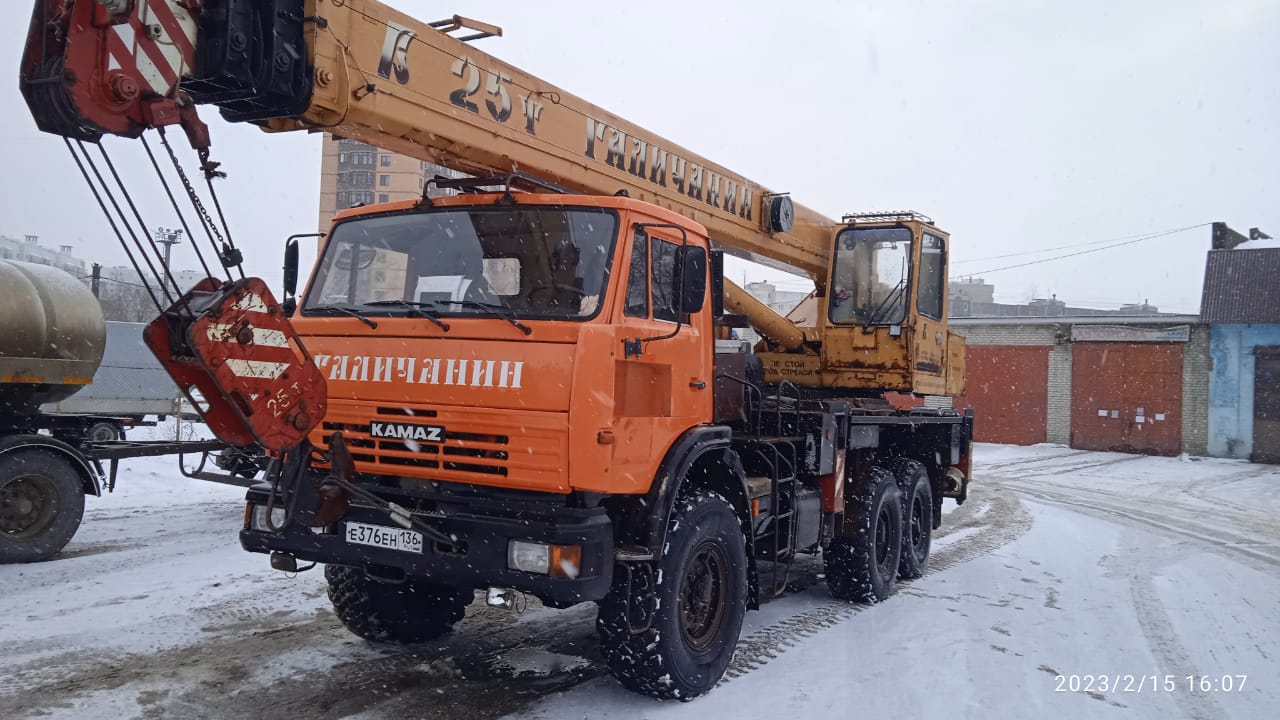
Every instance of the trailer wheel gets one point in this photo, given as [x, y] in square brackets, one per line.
[864, 564]
[409, 612]
[103, 431]
[917, 518]
[700, 597]
[41, 505]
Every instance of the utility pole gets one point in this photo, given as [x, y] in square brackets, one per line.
[95, 279]
[168, 237]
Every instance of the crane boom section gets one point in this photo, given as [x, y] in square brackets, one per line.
[395, 82]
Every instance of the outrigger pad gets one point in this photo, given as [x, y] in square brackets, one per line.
[234, 354]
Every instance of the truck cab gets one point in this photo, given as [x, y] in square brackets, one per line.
[494, 348]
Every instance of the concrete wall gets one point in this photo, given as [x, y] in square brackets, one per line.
[1230, 431]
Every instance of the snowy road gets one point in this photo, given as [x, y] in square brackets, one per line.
[1160, 574]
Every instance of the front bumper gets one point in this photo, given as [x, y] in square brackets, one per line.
[478, 560]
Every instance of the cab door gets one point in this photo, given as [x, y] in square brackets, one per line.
[929, 341]
[662, 366]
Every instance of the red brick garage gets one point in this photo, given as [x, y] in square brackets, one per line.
[1127, 397]
[1008, 389]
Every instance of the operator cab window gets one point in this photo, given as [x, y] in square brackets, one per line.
[869, 284]
[930, 285]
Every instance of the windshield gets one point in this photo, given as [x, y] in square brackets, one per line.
[530, 261]
[869, 285]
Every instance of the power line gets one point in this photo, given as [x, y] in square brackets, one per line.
[1051, 249]
[1151, 236]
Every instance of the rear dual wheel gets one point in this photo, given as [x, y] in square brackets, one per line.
[917, 516]
[862, 564]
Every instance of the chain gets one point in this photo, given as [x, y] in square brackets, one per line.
[210, 227]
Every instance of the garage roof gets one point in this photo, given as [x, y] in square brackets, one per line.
[1242, 286]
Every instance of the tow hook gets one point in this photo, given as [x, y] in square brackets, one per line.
[284, 562]
[500, 597]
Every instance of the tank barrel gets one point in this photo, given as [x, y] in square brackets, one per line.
[52, 336]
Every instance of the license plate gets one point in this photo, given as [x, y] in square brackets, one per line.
[380, 536]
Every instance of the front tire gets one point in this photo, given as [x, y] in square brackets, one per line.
[701, 598]
[413, 611]
[863, 564]
[41, 505]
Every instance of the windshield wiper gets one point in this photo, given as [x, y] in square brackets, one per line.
[347, 311]
[885, 304]
[496, 310]
[415, 309]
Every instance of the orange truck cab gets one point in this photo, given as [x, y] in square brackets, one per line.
[537, 349]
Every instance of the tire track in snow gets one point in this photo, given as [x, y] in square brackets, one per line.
[224, 674]
[1005, 522]
[1162, 638]
[1178, 520]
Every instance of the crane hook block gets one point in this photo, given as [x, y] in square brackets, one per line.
[94, 68]
[233, 353]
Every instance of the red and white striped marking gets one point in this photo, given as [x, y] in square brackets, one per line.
[158, 43]
[226, 332]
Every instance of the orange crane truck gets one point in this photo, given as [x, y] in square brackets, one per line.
[529, 385]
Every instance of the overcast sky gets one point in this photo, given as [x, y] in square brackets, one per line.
[1016, 125]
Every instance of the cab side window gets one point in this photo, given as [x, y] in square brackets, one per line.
[638, 278]
[664, 256]
[930, 285]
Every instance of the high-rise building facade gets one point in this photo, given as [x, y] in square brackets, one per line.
[355, 173]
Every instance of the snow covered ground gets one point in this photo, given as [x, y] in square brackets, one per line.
[1065, 567]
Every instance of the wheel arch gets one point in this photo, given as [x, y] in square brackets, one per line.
[701, 457]
[90, 477]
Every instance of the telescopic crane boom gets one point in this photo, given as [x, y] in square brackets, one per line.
[363, 70]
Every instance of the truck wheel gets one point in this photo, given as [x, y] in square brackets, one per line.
[41, 505]
[917, 518]
[409, 612]
[700, 596]
[864, 564]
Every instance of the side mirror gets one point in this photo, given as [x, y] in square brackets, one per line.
[717, 283]
[289, 278]
[291, 267]
[691, 283]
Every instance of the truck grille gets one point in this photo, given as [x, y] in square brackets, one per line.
[483, 447]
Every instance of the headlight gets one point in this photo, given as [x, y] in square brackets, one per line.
[258, 519]
[555, 560]
[529, 556]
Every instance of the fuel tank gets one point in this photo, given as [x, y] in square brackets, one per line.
[52, 336]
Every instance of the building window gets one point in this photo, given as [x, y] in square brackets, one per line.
[383, 197]
[351, 198]
[384, 180]
[385, 160]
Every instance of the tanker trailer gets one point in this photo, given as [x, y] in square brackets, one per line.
[52, 336]
[52, 339]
